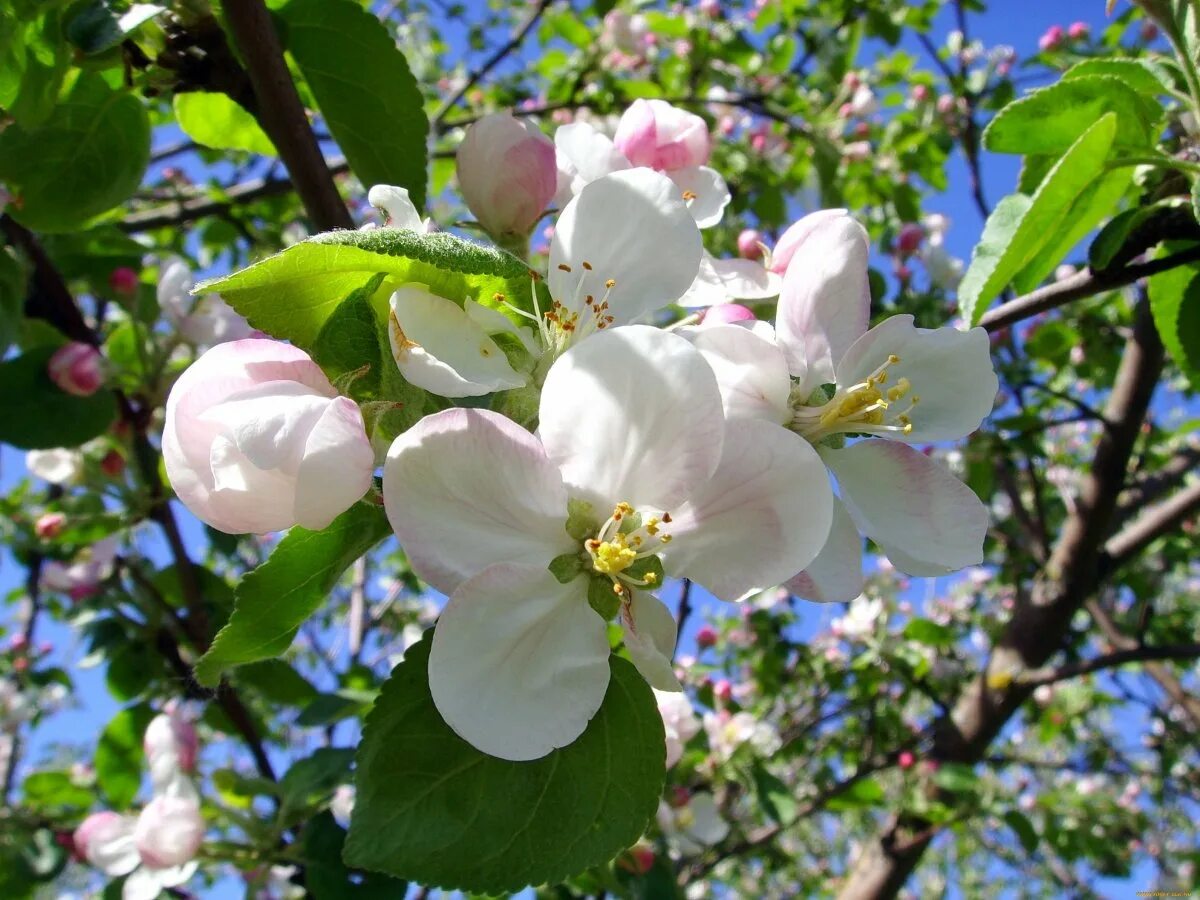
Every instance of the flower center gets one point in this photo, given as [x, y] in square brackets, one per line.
[624, 549]
[869, 407]
[561, 326]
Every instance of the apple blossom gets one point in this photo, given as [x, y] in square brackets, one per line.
[105, 840]
[723, 280]
[58, 465]
[170, 745]
[516, 530]
[828, 378]
[507, 173]
[342, 804]
[82, 576]
[397, 208]
[256, 439]
[49, 525]
[728, 731]
[680, 722]
[77, 368]
[202, 321]
[860, 621]
[696, 824]
[750, 244]
[123, 281]
[623, 247]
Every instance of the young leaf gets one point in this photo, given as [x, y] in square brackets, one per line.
[216, 121]
[366, 92]
[274, 600]
[1143, 75]
[441, 813]
[1175, 304]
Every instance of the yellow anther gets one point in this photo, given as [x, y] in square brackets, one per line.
[665, 539]
[623, 507]
[651, 526]
[498, 297]
[587, 265]
[612, 558]
[611, 283]
[563, 267]
[689, 195]
[893, 359]
[651, 578]
[903, 386]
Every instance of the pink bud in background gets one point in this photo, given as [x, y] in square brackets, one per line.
[945, 104]
[909, 238]
[656, 134]
[710, 8]
[723, 690]
[256, 439]
[726, 314]
[123, 281]
[170, 744]
[642, 857]
[169, 831]
[112, 464]
[679, 796]
[750, 244]
[1149, 32]
[858, 151]
[1052, 39]
[98, 836]
[706, 636]
[851, 81]
[49, 525]
[1078, 31]
[906, 759]
[18, 643]
[508, 173]
[77, 368]
[920, 93]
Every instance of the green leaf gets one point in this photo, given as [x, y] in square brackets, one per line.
[1020, 226]
[35, 413]
[601, 596]
[1143, 75]
[367, 95]
[326, 876]
[350, 339]
[1023, 829]
[214, 120]
[444, 814]
[278, 682]
[956, 777]
[1049, 120]
[86, 158]
[581, 519]
[119, 755]
[292, 294]
[311, 781]
[274, 600]
[566, 568]
[776, 798]
[12, 298]
[1135, 230]
[325, 709]
[926, 631]
[54, 791]
[1175, 304]
[864, 792]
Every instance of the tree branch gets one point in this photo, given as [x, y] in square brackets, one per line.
[282, 114]
[1111, 661]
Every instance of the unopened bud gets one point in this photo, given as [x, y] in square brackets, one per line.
[49, 525]
[750, 244]
[77, 368]
[123, 281]
[706, 636]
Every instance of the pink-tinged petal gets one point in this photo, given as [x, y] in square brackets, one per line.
[632, 415]
[466, 488]
[751, 371]
[797, 233]
[836, 575]
[722, 280]
[105, 839]
[918, 512]
[584, 154]
[633, 229]
[656, 134]
[763, 516]
[650, 632]
[519, 662]
[727, 314]
[706, 193]
[397, 207]
[338, 466]
[507, 172]
[825, 303]
[949, 370]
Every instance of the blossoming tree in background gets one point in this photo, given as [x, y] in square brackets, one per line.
[478, 447]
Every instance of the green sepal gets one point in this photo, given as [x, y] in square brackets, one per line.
[647, 565]
[566, 568]
[602, 598]
[630, 523]
[581, 520]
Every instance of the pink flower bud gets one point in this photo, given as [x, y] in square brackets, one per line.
[123, 281]
[256, 439]
[857, 151]
[726, 314]
[508, 173]
[906, 759]
[909, 238]
[706, 636]
[113, 464]
[862, 129]
[723, 690]
[710, 8]
[945, 104]
[749, 244]
[845, 111]
[1078, 31]
[903, 273]
[656, 134]
[758, 143]
[18, 643]
[679, 796]
[851, 81]
[77, 368]
[21, 664]
[920, 93]
[726, 125]
[49, 525]
[169, 831]
[170, 744]
[1149, 32]
[640, 859]
[1052, 39]
[801, 230]
[94, 835]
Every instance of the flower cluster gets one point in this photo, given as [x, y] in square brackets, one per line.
[705, 450]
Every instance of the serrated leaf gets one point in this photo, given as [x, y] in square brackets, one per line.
[86, 158]
[443, 814]
[214, 120]
[1050, 119]
[1020, 226]
[1143, 75]
[273, 601]
[292, 294]
[1175, 304]
[119, 753]
[366, 93]
[36, 414]
[326, 876]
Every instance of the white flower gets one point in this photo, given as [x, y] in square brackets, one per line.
[397, 208]
[695, 825]
[727, 732]
[203, 321]
[723, 280]
[680, 722]
[898, 382]
[84, 573]
[630, 422]
[623, 247]
[342, 804]
[59, 465]
[859, 623]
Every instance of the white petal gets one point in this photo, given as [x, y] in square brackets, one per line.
[440, 348]
[722, 280]
[826, 299]
[117, 853]
[397, 207]
[142, 885]
[519, 663]
[338, 466]
[710, 190]
[633, 229]
[632, 415]
[751, 372]
[650, 633]
[584, 154]
[707, 827]
[466, 488]
[177, 875]
[950, 370]
[836, 575]
[493, 322]
[910, 505]
[763, 516]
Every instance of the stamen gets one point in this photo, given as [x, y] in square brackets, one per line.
[563, 267]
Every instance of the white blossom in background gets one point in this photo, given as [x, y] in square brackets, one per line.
[895, 384]
[861, 619]
[680, 722]
[83, 574]
[694, 825]
[728, 731]
[59, 465]
[203, 321]
[945, 270]
[342, 804]
[170, 745]
[632, 436]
